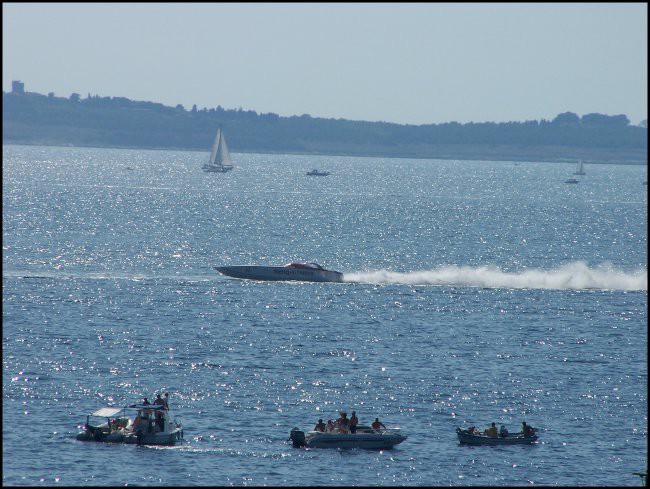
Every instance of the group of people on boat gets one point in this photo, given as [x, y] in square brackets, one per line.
[526, 431]
[158, 401]
[344, 424]
[141, 421]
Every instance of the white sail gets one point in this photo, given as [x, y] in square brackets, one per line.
[215, 146]
[219, 155]
[223, 156]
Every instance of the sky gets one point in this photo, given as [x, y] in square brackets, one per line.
[407, 63]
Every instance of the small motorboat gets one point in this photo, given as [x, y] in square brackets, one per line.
[308, 272]
[152, 425]
[571, 180]
[316, 173]
[365, 437]
[472, 437]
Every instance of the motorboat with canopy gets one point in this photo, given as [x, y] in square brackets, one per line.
[151, 425]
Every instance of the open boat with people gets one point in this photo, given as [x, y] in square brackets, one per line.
[152, 425]
[304, 271]
[474, 437]
[365, 437]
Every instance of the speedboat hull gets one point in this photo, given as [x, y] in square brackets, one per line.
[168, 439]
[281, 273]
[101, 434]
[467, 438]
[124, 436]
[369, 441]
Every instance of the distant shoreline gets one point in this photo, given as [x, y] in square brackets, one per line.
[117, 122]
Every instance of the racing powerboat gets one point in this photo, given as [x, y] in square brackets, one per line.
[365, 437]
[305, 271]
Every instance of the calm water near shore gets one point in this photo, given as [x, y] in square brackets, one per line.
[475, 292]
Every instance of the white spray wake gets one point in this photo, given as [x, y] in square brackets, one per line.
[576, 275]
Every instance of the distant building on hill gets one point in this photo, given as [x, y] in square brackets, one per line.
[17, 87]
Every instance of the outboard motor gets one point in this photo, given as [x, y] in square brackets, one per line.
[297, 437]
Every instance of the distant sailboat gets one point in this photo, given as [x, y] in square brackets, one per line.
[219, 156]
[581, 169]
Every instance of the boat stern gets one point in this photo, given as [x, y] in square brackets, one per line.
[297, 437]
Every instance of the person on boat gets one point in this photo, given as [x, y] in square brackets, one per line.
[160, 421]
[503, 431]
[354, 421]
[159, 400]
[146, 412]
[527, 430]
[136, 423]
[320, 426]
[166, 401]
[343, 423]
[330, 426]
[376, 424]
[492, 431]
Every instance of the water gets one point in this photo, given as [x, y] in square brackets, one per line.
[477, 292]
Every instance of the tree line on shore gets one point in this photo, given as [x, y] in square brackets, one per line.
[33, 118]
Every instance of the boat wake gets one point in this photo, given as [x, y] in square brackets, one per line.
[81, 275]
[576, 275]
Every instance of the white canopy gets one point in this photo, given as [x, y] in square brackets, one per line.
[106, 412]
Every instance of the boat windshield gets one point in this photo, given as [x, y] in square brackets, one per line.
[304, 265]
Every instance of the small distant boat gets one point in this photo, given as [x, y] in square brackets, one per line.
[571, 180]
[365, 437]
[151, 426]
[308, 272]
[581, 169]
[219, 156]
[468, 437]
[316, 173]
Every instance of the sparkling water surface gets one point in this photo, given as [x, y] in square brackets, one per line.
[476, 291]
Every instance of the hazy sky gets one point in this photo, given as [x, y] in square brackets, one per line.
[406, 63]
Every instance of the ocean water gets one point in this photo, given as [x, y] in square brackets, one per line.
[475, 292]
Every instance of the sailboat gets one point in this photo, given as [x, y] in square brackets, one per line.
[219, 156]
[581, 169]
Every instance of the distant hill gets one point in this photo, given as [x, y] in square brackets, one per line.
[32, 118]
